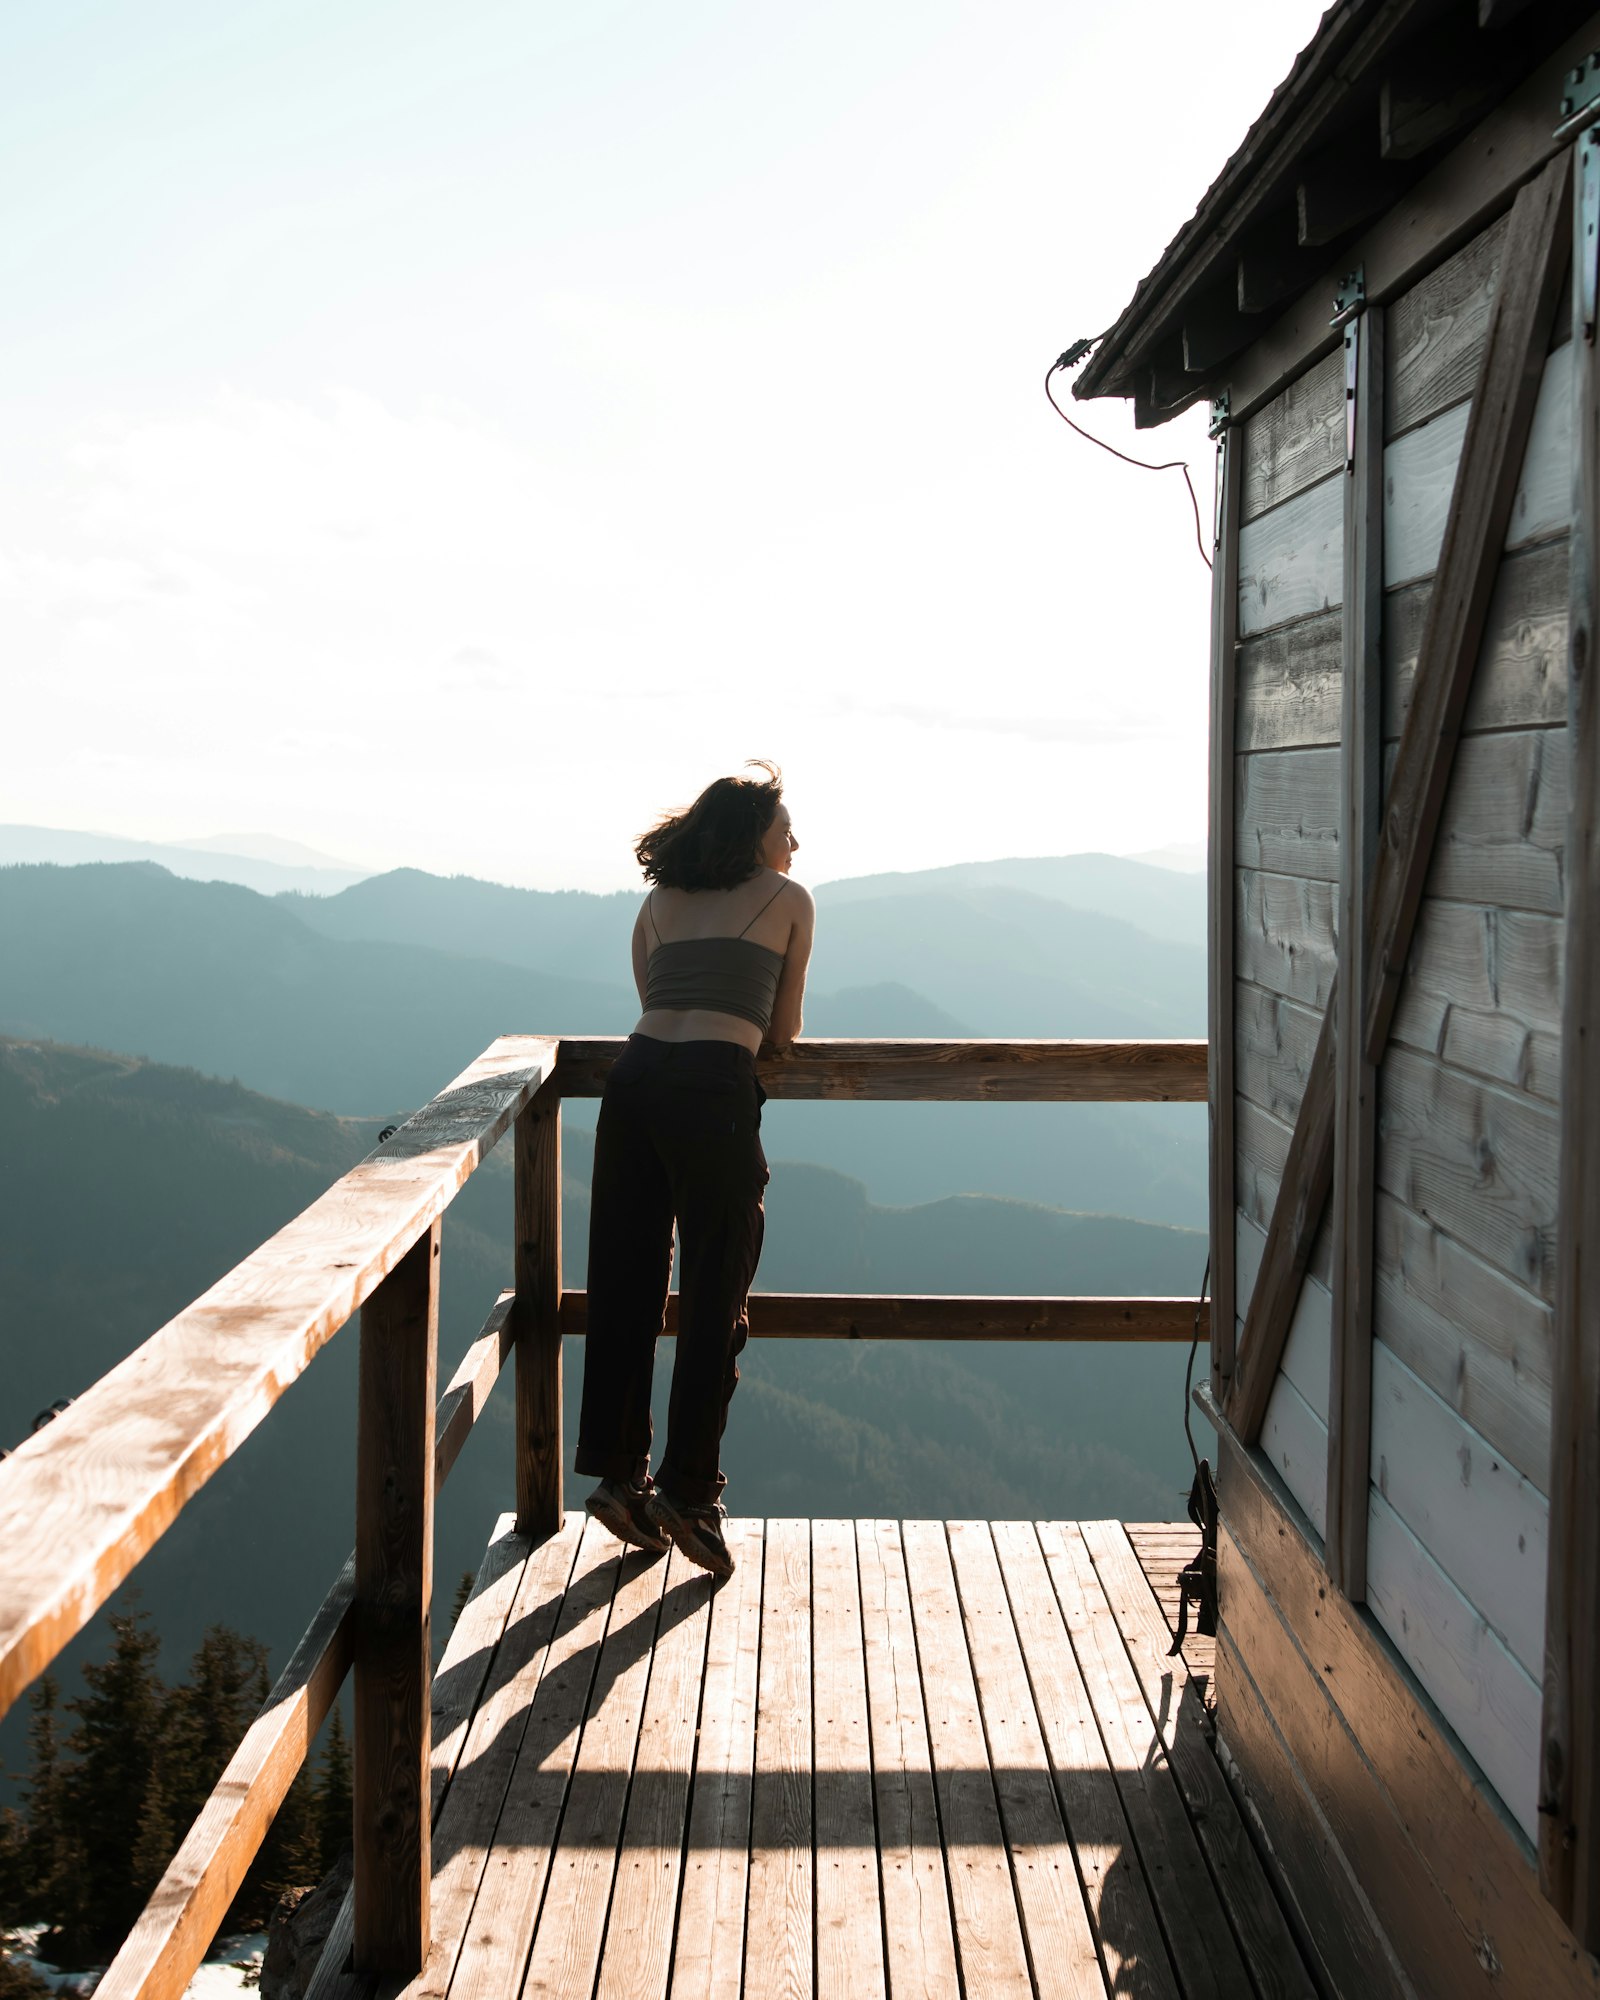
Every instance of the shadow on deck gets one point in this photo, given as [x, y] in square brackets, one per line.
[882, 1760]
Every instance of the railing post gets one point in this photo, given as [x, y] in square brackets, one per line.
[394, 1595]
[538, 1315]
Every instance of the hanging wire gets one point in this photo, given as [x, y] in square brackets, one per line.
[1188, 1373]
[1144, 464]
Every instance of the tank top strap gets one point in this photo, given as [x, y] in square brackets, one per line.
[767, 905]
[649, 910]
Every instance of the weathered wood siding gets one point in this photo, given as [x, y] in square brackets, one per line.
[1286, 851]
[1469, 1126]
[1469, 1129]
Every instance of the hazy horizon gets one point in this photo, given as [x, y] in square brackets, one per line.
[451, 441]
[1188, 858]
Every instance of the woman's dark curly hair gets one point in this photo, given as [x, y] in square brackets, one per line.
[716, 842]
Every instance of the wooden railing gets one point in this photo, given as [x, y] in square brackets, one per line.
[83, 1500]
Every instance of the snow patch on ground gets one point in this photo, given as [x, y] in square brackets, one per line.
[233, 1967]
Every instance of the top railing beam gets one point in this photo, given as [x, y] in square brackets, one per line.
[991, 1072]
[84, 1499]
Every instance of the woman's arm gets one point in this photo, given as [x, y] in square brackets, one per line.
[641, 952]
[786, 1009]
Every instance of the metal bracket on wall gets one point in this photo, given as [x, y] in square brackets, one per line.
[1218, 429]
[1351, 297]
[1580, 109]
[1348, 306]
[1580, 99]
[1588, 274]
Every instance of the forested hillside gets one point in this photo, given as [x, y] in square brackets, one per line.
[127, 1187]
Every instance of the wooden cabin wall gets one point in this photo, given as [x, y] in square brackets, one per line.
[1402, 1804]
[1469, 1130]
[1286, 852]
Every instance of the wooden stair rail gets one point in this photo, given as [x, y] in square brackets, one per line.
[1532, 266]
[77, 1514]
[165, 1948]
[84, 1499]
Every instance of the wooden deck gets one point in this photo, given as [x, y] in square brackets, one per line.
[885, 1760]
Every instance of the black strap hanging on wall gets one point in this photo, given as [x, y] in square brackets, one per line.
[1197, 1580]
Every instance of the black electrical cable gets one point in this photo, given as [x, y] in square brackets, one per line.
[1188, 1373]
[1144, 464]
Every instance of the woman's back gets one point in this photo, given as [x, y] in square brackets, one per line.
[756, 910]
[710, 961]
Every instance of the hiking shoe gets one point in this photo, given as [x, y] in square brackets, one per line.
[697, 1531]
[623, 1510]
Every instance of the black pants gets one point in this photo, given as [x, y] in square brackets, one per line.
[678, 1137]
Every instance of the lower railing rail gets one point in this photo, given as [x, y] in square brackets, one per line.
[85, 1499]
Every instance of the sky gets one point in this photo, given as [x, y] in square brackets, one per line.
[450, 436]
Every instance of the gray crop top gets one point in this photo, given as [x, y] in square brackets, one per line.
[728, 975]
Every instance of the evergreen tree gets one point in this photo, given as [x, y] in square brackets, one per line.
[155, 1842]
[114, 1746]
[40, 1889]
[334, 1800]
[207, 1716]
[463, 1592]
[290, 1857]
[13, 1860]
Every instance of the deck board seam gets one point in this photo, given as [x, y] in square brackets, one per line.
[539, 1663]
[1231, 1906]
[627, 1792]
[999, 1798]
[1183, 1797]
[1050, 1762]
[688, 1807]
[755, 1744]
[566, 1789]
[872, 1767]
[1174, 1910]
[933, 1768]
[1157, 1902]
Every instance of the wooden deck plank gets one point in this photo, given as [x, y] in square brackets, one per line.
[993, 1958]
[1201, 1943]
[465, 1665]
[487, 1753]
[637, 1956]
[566, 1945]
[1060, 1938]
[932, 1761]
[1174, 1697]
[779, 1955]
[501, 1930]
[1124, 1917]
[849, 1905]
[708, 1957]
[1163, 1549]
[919, 1940]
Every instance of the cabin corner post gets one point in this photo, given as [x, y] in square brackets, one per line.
[538, 1315]
[1569, 1789]
[1356, 1075]
[394, 1592]
[1220, 909]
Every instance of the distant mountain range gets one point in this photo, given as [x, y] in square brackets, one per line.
[1134, 887]
[367, 1002]
[127, 1187]
[1154, 897]
[256, 861]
